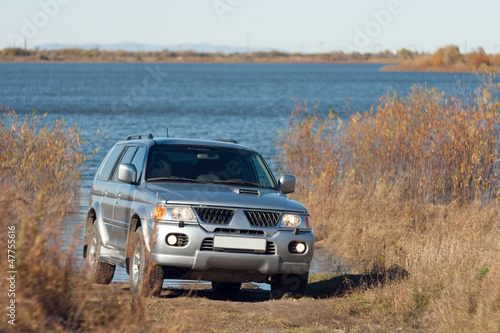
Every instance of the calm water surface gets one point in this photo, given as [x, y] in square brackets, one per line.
[245, 102]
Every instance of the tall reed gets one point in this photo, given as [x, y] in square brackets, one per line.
[40, 168]
[415, 184]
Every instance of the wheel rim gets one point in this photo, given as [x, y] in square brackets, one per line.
[93, 251]
[136, 264]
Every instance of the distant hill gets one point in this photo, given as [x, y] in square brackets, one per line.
[136, 47]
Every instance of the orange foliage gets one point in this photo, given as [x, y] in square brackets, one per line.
[495, 59]
[437, 60]
[478, 59]
[310, 151]
[432, 148]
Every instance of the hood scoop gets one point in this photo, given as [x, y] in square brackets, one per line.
[249, 192]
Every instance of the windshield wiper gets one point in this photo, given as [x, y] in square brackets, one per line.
[239, 182]
[175, 179]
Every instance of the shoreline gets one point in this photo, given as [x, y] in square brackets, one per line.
[386, 66]
[191, 61]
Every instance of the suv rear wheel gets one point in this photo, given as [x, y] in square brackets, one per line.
[288, 285]
[99, 271]
[146, 278]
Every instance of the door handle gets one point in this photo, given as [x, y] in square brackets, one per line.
[119, 196]
[105, 193]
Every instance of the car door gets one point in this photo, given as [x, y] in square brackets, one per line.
[117, 219]
[106, 189]
[125, 199]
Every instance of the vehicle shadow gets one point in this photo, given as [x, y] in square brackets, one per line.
[334, 286]
[337, 286]
[326, 287]
[251, 295]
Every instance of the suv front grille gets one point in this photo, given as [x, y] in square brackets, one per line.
[239, 231]
[208, 245]
[262, 219]
[215, 215]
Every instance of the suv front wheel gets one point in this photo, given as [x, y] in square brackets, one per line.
[146, 278]
[288, 285]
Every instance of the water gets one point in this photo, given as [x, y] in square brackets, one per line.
[245, 102]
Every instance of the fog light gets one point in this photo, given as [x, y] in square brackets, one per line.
[172, 240]
[300, 248]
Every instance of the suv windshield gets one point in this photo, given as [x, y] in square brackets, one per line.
[208, 164]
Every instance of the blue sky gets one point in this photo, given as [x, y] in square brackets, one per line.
[290, 25]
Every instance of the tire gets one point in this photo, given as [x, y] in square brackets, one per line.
[146, 278]
[225, 287]
[100, 272]
[288, 285]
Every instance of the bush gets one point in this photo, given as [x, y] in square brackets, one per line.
[479, 59]
[415, 184]
[40, 180]
[450, 54]
[41, 158]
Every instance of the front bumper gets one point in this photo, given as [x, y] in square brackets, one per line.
[193, 256]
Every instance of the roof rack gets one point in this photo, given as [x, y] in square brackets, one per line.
[226, 140]
[140, 136]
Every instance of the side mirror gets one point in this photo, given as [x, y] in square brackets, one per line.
[287, 184]
[127, 173]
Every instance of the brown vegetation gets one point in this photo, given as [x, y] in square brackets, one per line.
[412, 186]
[96, 55]
[40, 177]
[446, 59]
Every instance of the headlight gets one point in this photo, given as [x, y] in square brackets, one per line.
[174, 213]
[296, 221]
[183, 214]
[291, 221]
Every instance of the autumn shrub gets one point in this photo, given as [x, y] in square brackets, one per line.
[41, 156]
[310, 151]
[479, 59]
[40, 167]
[415, 185]
[450, 54]
[495, 59]
[433, 148]
[437, 60]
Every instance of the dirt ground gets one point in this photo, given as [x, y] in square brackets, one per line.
[330, 305]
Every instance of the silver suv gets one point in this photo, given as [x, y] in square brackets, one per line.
[168, 208]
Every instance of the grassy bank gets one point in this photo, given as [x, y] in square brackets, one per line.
[410, 189]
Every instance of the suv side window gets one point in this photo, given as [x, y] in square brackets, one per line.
[138, 161]
[127, 157]
[110, 163]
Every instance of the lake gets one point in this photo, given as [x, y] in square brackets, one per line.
[245, 102]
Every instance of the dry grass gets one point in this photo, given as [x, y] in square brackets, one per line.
[414, 184]
[40, 177]
[443, 61]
